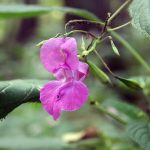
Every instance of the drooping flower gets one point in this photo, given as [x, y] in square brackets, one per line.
[68, 92]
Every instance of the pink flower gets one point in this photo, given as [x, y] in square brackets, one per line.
[68, 92]
[59, 53]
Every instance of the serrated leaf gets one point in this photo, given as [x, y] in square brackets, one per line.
[23, 11]
[16, 92]
[101, 75]
[139, 132]
[140, 12]
[131, 83]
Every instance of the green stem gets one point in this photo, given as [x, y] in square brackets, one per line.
[80, 31]
[68, 33]
[103, 62]
[119, 27]
[105, 111]
[132, 50]
[118, 10]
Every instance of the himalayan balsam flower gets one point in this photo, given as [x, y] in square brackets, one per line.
[68, 92]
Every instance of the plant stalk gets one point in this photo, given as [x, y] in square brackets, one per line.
[118, 10]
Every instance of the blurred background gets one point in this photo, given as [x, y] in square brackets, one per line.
[29, 126]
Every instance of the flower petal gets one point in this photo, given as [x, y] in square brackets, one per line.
[56, 96]
[82, 71]
[59, 53]
[68, 75]
[64, 74]
[73, 95]
[48, 98]
[70, 47]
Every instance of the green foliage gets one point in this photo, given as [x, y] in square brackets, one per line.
[140, 13]
[144, 82]
[126, 111]
[131, 83]
[45, 143]
[16, 92]
[23, 11]
[139, 132]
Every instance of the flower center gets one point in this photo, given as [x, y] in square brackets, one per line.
[58, 97]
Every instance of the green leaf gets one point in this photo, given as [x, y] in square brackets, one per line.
[144, 81]
[101, 75]
[139, 132]
[16, 92]
[131, 83]
[140, 13]
[23, 11]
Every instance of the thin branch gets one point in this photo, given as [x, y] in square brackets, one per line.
[119, 27]
[103, 62]
[80, 31]
[104, 29]
[119, 10]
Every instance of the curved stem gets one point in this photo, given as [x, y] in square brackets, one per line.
[80, 31]
[105, 65]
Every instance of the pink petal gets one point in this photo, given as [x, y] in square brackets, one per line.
[59, 53]
[73, 95]
[56, 96]
[67, 74]
[48, 98]
[70, 47]
[82, 71]
[63, 74]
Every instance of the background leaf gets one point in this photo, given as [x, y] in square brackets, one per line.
[140, 13]
[139, 132]
[16, 92]
[23, 11]
[131, 83]
[144, 82]
[34, 143]
[126, 111]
